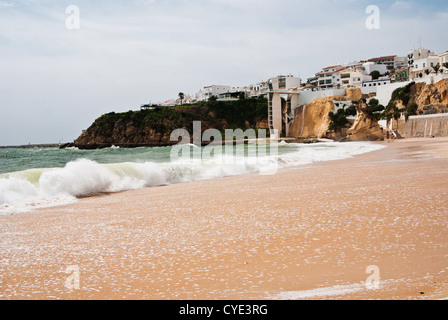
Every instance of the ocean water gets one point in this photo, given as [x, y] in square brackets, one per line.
[46, 177]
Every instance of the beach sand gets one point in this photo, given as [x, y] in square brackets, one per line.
[309, 232]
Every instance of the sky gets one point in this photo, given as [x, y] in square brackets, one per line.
[61, 69]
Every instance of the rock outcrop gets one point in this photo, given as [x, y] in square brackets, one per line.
[312, 120]
[430, 98]
[154, 127]
[365, 127]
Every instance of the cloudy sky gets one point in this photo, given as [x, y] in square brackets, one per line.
[56, 80]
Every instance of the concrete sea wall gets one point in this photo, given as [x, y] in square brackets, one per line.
[435, 125]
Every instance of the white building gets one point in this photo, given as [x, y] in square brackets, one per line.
[212, 91]
[369, 67]
[356, 65]
[391, 62]
[373, 84]
[256, 90]
[329, 77]
[443, 58]
[420, 66]
[418, 54]
[353, 79]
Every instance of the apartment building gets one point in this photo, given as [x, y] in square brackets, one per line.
[391, 62]
[329, 77]
[353, 79]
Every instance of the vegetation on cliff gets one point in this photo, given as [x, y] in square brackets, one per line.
[154, 127]
[400, 103]
[373, 109]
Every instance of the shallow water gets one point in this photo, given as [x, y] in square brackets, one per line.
[42, 177]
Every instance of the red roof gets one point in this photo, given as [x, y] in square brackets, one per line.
[382, 58]
[332, 67]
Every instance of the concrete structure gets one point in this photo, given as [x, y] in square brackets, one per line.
[384, 93]
[306, 96]
[279, 113]
[435, 125]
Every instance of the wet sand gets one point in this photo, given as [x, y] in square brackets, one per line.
[308, 232]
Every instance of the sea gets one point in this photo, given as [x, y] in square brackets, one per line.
[33, 178]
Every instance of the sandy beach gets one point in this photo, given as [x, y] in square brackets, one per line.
[309, 232]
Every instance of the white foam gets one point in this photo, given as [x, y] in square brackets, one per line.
[22, 191]
[320, 292]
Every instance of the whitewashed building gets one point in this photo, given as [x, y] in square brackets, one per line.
[418, 54]
[369, 67]
[212, 91]
[420, 66]
[443, 58]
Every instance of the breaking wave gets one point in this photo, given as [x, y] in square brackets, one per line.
[36, 188]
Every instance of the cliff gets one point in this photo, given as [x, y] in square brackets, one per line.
[365, 127]
[314, 120]
[154, 127]
[430, 98]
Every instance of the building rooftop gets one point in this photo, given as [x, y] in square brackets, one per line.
[382, 58]
[332, 67]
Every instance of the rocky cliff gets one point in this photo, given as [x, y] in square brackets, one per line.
[365, 127]
[154, 127]
[313, 120]
[430, 98]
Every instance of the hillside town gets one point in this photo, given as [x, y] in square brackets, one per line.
[419, 65]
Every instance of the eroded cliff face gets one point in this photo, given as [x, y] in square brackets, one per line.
[365, 127]
[312, 120]
[430, 98]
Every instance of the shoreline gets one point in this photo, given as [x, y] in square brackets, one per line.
[308, 232]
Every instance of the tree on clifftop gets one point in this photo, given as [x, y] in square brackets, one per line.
[375, 75]
[436, 68]
[181, 97]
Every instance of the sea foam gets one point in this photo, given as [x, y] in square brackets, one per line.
[30, 189]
